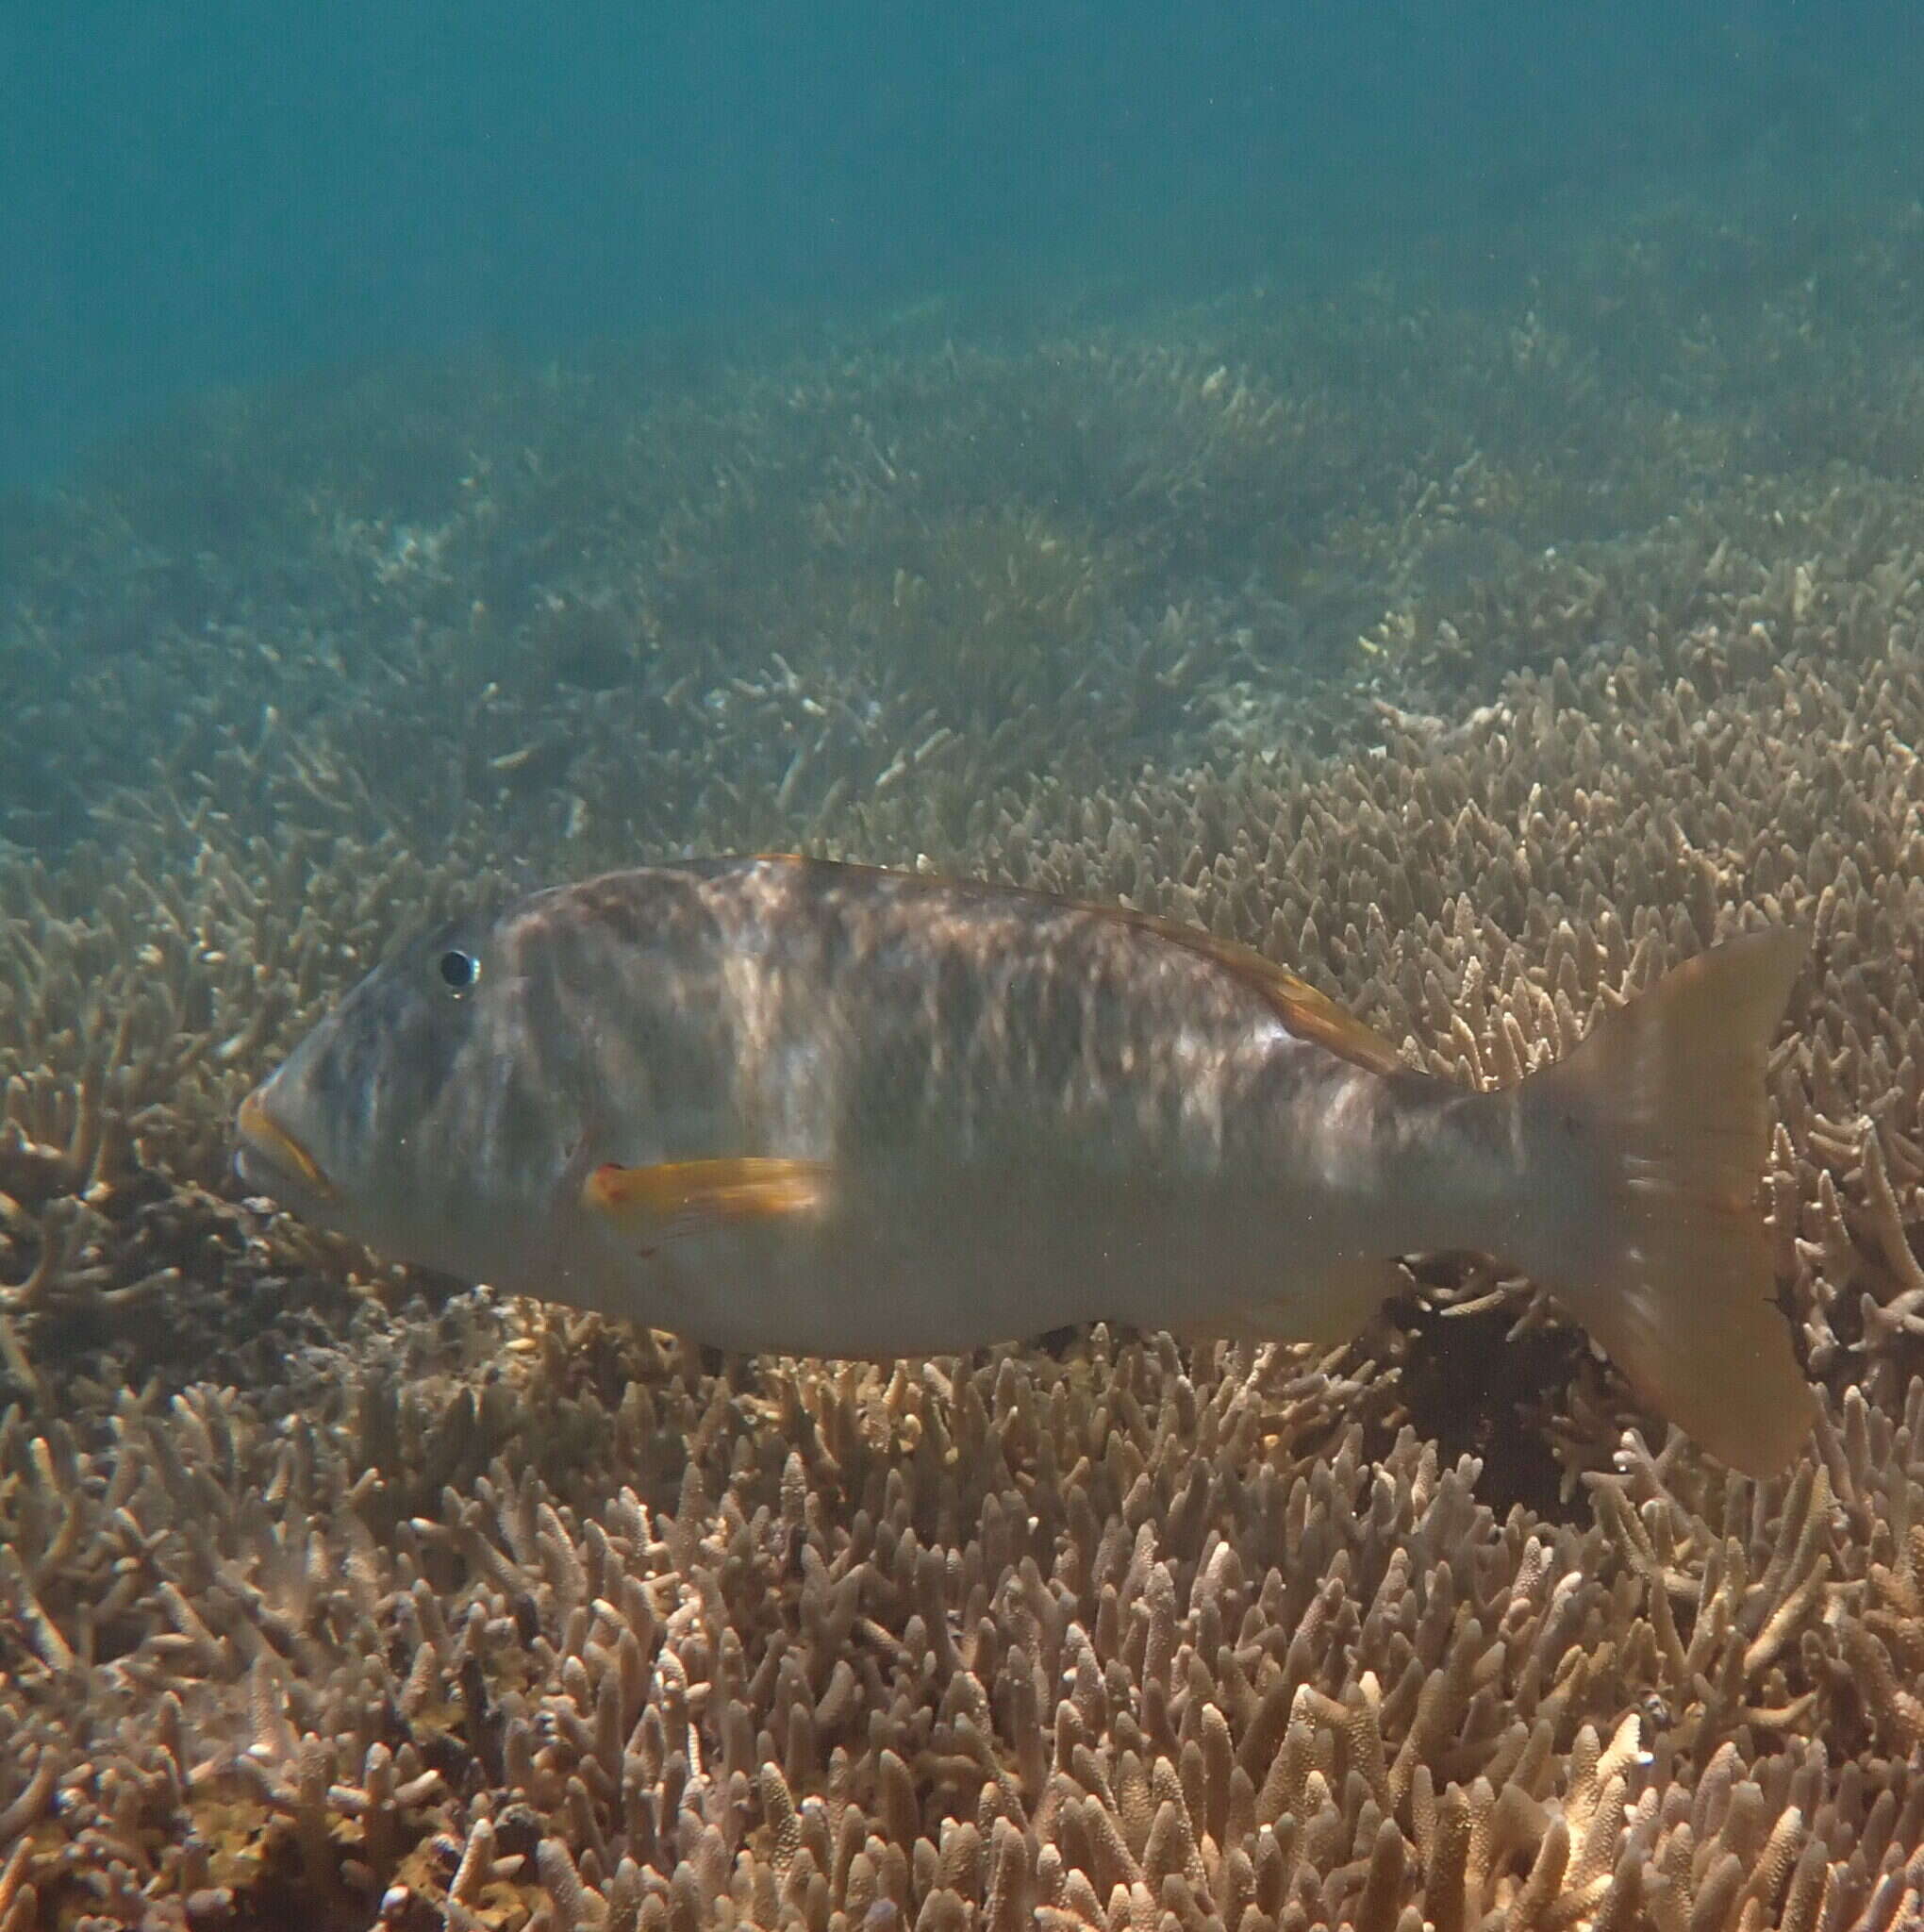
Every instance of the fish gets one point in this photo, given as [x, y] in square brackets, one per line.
[781, 1104]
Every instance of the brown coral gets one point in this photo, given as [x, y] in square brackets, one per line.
[1129, 1635]
[331, 1595]
[786, 1644]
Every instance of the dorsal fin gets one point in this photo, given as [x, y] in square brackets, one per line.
[1307, 1013]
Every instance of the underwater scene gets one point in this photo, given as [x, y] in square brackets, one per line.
[962, 969]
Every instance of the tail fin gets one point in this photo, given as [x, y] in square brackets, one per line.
[1675, 1283]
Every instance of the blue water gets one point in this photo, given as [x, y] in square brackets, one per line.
[209, 194]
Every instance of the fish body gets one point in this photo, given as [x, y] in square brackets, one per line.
[784, 1104]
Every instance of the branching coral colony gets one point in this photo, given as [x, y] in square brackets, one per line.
[502, 1617]
[334, 1596]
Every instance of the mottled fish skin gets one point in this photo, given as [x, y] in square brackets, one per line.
[783, 1105]
[1032, 1114]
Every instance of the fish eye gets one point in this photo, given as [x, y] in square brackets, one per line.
[459, 970]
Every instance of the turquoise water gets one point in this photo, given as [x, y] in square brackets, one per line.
[229, 192]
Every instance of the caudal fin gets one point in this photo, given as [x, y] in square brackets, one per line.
[1661, 1253]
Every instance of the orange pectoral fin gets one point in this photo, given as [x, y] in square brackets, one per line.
[651, 1204]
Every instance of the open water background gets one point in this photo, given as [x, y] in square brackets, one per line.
[213, 194]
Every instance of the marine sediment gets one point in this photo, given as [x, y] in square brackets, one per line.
[336, 1595]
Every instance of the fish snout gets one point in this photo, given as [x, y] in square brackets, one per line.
[271, 1158]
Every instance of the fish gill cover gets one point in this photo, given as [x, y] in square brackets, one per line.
[1477, 651]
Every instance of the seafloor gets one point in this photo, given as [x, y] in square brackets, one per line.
[1479, 660]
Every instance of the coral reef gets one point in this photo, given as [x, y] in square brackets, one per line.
[1099, 1642]
[513, 1614]
[336, 1595]
[549, 598]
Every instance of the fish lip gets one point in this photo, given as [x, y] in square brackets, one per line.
[265, 1142]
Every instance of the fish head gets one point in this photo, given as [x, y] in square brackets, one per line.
[387, 1120]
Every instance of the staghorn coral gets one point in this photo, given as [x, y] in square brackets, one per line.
[330, 1597]
[506, 1618]
[785, 1645]
[544, 599]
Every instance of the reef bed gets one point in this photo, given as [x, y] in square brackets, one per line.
[1477, 672]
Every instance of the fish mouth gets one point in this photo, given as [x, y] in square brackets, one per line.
[268, 1152]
